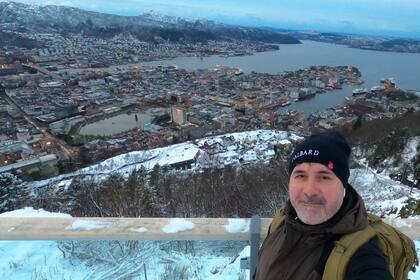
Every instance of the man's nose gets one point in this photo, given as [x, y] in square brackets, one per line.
[311, 187]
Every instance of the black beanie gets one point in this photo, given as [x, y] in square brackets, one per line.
[329, 149]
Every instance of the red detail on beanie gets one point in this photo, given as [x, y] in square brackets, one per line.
[330, 165]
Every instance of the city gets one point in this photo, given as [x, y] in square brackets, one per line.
[47, 105]
[150, 138]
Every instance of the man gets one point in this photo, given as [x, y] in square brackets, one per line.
[322, 207]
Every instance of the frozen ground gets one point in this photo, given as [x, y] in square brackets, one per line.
[381, 194]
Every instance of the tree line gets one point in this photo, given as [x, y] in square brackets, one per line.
[165, 192]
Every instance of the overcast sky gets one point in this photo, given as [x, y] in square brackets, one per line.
[382, 17]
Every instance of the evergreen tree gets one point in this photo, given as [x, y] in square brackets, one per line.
[358, 123]
[155, 176]
[10, 191]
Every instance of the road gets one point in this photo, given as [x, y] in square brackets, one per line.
[44, 71]
[67, 149]
[112, 68]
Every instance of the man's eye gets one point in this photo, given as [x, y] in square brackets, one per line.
[326, 178]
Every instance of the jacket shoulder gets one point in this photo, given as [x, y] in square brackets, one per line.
[368, 263]
[278, 219]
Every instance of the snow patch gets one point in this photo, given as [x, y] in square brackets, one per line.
[296, 138]
[140, 229]
[32, 213]
[232, 270]
[285, 142]
[88, 225]
[65, 184]
[177, 225]
[237, 225]
[402, 223]
[383, 196]
[410, 150]
[11, 229]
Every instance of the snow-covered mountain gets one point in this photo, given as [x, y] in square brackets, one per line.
[56, 17]
[52, 18]
[158, 17]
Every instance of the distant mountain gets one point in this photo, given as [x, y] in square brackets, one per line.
[224, 30]
[32, 18]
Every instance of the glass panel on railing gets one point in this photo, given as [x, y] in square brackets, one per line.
[41, 260]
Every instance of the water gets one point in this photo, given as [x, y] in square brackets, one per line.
[116, 124]
[374, 65]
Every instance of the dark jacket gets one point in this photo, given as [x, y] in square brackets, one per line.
[299, 251]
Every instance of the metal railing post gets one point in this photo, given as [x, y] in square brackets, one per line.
[255, 243]
[251, 261]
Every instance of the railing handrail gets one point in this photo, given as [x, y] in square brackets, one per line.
[92, 228]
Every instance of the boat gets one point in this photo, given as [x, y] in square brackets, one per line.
[359, 91]
[291, 113]
[377, 88]
[303, 95]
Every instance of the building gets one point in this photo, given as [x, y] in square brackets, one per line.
[46, 166]
[64, 126]
[178, 115]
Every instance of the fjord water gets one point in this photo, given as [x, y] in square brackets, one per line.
[374, 65]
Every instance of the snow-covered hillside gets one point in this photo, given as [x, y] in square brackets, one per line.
[400, 165]
[382, 195]
[252, 146]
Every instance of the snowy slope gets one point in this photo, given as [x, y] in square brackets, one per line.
[234, 145]
[381, 194]
[396, 164]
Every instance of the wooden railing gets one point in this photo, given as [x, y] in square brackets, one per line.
[127, 229]
[147, 228]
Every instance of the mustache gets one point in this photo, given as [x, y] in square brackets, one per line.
[313, 199]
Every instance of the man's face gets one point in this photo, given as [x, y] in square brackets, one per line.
[315, 192]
